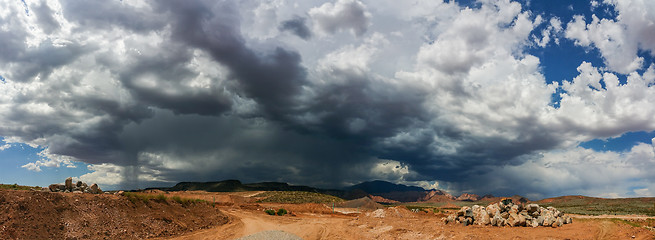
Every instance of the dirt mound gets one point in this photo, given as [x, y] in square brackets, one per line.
[47, 215]
[398, 212]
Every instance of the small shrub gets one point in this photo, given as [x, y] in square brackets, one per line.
[132, 197]
[178, 199]
[161, 198]
[281, 212]
[270, 211]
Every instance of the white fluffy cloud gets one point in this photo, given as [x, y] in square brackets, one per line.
[620, 39]
[342, 15]
[50, 160]
[582, 171]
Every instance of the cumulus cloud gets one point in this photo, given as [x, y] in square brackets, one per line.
[578, 171]
[553, 30]
[151, 93]
[619, 40]
[51, 160]
[342, 15]
[4, 146]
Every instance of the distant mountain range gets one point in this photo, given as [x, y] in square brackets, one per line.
[237, 186]
[380, 191]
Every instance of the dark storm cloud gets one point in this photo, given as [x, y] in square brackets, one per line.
[296, 26]
[175, 91]
[45, 19]
[351, 117]
[246, 149]
[23, 62]
[271, 79]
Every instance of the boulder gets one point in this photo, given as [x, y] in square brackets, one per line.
[492, 209]
[465, 211]
[450, 218]
[513, 219]
[522, 220]
[483, 218]
[79, 184]
[548, 219]
[533, 223]
[69, 183]
[467, 221]
[532, 207]
[56, 187]
[569, 220]
[95, 189]
[461, 211]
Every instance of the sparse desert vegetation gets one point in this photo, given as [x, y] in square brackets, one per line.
[18, 187]
[296, 197]
[602, 206]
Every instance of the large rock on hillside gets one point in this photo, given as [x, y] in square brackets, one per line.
[95, 189]
[57, 187]
[69, 184]
[79, 187]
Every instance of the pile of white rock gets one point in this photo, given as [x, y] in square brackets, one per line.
[508, 214]
[79, 187]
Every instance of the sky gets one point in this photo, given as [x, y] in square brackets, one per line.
[537, 98]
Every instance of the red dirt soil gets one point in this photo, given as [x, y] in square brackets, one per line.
[316, 221]
[408, 225]
[46, 215]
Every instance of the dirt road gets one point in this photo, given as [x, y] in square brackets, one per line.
[402, 224]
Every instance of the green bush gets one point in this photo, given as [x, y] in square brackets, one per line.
[270, 211]
[281, 212]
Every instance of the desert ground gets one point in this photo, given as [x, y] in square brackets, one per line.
[208, 215]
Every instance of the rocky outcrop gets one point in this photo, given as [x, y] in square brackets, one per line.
[505, 213]
[79, 187]
[436, 196]
[468, 197]
[382, 200]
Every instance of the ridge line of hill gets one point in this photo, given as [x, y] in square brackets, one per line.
[382, 191]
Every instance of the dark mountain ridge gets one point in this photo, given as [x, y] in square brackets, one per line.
[382, 189]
